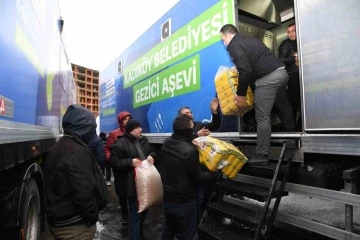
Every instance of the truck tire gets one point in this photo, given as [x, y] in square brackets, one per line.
[30, 219]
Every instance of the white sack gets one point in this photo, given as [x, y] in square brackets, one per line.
[148, 186]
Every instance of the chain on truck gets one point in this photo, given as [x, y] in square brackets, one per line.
[36, 87]
[173, 64]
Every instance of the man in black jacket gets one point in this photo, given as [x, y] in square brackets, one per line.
[75, 190]
[204, 129]
[125, 155]
[181, 174]
[256, 64]
[288, 54]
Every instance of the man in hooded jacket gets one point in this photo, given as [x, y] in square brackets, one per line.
[123, 118]
[75, 190]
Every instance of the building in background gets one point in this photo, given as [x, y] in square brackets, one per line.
[87, 82]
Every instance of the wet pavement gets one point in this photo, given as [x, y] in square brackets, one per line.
[109, 227]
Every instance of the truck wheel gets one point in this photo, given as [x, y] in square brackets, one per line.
[31, 212]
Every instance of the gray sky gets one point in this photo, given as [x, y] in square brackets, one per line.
[96, 32]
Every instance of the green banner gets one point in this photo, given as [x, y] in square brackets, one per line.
[24, 44]
[175, 81]
[201, 32]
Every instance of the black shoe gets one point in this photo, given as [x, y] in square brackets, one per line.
[259, 159]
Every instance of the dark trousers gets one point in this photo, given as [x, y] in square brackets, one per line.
[200, 206]
[269, 91]
[180, 221]
[136, 220]
[107, 167]
[293, 95]
[124, 208]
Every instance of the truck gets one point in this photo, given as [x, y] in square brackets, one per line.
[173, 64]
[36, 87]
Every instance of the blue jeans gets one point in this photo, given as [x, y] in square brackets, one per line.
[136, 220]
[180, 221]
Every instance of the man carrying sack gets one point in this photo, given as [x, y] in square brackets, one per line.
[255, 63]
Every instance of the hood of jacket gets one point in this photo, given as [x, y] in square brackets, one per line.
[121, 116]
[79, 122]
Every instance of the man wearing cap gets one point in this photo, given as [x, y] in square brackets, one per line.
[203, 129]
[126, 154]
[181, 174]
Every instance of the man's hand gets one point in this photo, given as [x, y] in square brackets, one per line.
[214, 104]
[296, 58]
[240, 101]
[150, 159]
[136, 162]
[203, 132]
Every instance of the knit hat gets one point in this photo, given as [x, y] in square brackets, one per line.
[131, 125]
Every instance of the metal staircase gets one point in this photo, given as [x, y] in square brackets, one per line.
[230, 214]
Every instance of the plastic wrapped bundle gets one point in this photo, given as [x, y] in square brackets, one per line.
[148, 186]
[216, 154]
[226, 81]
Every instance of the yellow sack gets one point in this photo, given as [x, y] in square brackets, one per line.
[216, 154]
[226, 81]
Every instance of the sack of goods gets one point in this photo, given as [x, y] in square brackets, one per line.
[216, 154]
[226, 81]
[148, 184]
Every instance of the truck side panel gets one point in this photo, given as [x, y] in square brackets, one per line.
[329, 43]
[157, 75]
[29, 49]
[33, 80]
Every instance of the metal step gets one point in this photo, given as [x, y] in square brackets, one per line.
[218, 231]
[266, 171]
[274, 142]
[244, 189]
[241, 215]
[242, 221]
